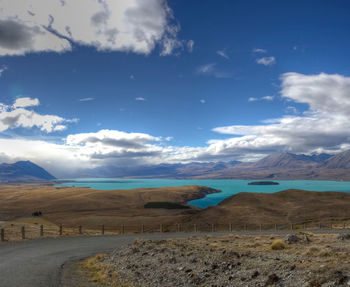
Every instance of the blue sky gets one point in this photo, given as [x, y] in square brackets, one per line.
[206, 80]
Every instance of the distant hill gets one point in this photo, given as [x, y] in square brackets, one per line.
[23, 171]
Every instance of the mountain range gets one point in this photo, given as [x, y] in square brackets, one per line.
[275, 166]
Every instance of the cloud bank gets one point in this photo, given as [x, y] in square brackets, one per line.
[325, 126]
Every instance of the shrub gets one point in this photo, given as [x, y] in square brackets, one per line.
[37, 214]
[277, 245]
[166, 205]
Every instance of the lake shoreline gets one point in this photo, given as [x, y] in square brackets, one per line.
[227, 186]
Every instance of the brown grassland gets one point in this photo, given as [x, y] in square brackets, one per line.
[75, 206]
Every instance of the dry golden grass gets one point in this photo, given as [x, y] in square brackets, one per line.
[277, 245]
[281, 208]
[96, 271]
[73, 206]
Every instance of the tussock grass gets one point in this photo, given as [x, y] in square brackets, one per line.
[277, 245]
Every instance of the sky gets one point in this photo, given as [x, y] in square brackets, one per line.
[90, 83]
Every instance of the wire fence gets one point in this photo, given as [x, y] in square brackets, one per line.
[16, 232]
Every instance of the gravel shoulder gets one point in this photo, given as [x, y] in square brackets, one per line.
[301, 259]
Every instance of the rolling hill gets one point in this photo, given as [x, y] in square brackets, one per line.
[289, 206]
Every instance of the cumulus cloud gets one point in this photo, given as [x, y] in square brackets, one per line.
[112, 138]
[86, 150]
[202, 101]
[18, 115]
[266, 61]
[54, 25]
[324, 126]
[25, 102]
[140, 99]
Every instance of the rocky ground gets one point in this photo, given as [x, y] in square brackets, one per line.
[304, 259]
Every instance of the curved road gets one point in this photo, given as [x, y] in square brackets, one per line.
[36, 263]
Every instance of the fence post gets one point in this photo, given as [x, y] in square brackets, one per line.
[103, 229]
[142, 228]
[161, 228]
[260, 227]
[320, 226]
[60, 230]
[123, 229]
[275, 227]
[80, 229]
[230, 227]
[178, 227]
[195, 227]
[291, 226]
[41, 230]
[23, 231]
[2, 235]
[212, 228]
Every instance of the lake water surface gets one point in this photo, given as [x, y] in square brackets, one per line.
[227, 186]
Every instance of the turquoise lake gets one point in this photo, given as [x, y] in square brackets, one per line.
[227, 186]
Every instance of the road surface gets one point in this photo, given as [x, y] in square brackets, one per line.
[36, 263]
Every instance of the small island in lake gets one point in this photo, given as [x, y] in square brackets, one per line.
[263, 183]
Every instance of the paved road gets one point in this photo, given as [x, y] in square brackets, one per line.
[36, 263]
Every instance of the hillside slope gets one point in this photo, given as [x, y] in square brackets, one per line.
[289, 206]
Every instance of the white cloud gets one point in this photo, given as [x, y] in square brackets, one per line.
[266, 98]
[266, 61]
[53, 25]
[202, 101]
[324, 126]
[111, 137]
[141, 99]
[190, 45]
[223, 54]
[3, 69]
[25, 102]
[17, 115]
[86, 99]
[211, 70]
[258, 50]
